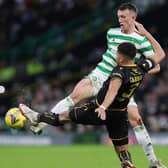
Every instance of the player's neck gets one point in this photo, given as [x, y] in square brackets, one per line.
[130, 30]
[127, 63]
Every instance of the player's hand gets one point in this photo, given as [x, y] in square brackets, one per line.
[101, 113]
[140, 29]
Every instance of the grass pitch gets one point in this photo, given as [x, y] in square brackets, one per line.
[73, 156]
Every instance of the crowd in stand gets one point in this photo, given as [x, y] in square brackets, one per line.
[23, 18]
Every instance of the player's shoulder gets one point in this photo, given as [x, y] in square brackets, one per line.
[118, 71]
[140, 37]
[113, 30]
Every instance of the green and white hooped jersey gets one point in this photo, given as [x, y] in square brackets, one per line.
[108, 62]
[116, 37]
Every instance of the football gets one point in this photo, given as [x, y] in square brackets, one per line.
[14, 118]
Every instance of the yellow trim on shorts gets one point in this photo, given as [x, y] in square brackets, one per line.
[113, 109]
[118, 139]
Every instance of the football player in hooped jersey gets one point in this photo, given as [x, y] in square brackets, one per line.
[110, 106]
[89, 87]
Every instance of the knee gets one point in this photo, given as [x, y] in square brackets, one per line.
[134, 117]
[75, 96]
[79, 90]
[134, 122]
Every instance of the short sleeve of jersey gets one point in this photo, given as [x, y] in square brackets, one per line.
[146, 64]
[117, 73]
[146, 48]
[109, 32]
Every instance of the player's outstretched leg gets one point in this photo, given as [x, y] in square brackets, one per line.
[62, 106]
[82, 90]
[143, 137]
[50, 118]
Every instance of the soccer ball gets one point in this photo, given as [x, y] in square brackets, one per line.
[14, 118]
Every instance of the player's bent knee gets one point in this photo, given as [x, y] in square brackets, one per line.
[75, 96]
[134, 122]
[134, 116]
[81, 90]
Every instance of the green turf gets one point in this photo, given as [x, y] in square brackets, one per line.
[75, 156]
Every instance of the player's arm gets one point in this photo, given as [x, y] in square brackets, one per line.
[159, 53]
[155, 70]
[114, 86]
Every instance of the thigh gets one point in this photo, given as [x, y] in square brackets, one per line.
[86, 115]
[82, 90]
[132, 102]
[117, 127]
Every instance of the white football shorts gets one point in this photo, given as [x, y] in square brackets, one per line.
[132, 102]
[97, 78]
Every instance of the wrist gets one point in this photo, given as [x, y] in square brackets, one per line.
[101, 106]
[147, 34]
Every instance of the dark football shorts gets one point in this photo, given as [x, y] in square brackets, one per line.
[116, 121]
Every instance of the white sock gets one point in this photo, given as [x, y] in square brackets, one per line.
[143, 139]
[60, 107]
[63, 105]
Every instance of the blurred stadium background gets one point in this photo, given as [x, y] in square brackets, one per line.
[46, 46]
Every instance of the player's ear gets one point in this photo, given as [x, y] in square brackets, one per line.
[134, 17]
[120, 59]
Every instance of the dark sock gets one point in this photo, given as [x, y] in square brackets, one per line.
[125, 155]
[49, 118]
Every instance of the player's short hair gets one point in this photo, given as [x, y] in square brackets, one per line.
[128, 6]
[127, 49]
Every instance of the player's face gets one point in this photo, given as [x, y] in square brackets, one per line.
[126, 19]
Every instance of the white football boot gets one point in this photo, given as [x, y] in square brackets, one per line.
[39, 128]
[156, 164]
[30, 114]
